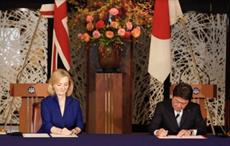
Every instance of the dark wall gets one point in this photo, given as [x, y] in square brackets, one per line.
[12, 4]
[213, 6]
[207, 6]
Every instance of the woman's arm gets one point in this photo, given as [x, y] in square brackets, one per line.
[46, 118]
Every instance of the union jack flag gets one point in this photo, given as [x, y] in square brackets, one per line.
[60, 43]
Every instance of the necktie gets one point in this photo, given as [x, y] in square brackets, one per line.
[178, 118]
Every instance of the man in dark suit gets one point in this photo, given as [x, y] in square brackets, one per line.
[178, 116]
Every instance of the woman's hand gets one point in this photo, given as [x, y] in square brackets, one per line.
[76, 130]
[65, 131]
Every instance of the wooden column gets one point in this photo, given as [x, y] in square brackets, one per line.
[106, 107]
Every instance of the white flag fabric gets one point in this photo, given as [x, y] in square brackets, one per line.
[47, 10]
[175, 11]
[160, 52]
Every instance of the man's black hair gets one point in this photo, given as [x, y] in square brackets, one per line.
[183, 90]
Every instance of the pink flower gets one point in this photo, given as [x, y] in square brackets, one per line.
[96, 34]
[89, 18]
[113, 11]
[129, 25]
[79, 35]
[121, 32]
[100, 24]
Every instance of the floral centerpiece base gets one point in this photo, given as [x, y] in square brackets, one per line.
[109, 59]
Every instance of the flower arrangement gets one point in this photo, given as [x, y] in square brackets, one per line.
[112, 25]
[110, 29]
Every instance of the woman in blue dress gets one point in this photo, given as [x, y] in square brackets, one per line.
[61, 113]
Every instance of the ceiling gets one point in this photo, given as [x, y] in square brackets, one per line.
[208, 6]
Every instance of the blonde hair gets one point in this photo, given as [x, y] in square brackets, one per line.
[55, 78]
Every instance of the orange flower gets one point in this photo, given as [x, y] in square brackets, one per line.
[102, 15]
[136, 32]
[109, 34]
[114, 24]
[89, 26]
[86, 37]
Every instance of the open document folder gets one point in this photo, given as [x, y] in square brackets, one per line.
[183, 137]
[44, 135]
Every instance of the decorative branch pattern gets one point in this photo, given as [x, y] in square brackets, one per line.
[16, 32]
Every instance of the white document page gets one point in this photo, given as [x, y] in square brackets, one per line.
[184, 137]
[2, 133]
[57, 135]
[35, 135]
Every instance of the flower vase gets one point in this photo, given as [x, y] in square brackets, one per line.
[109, 59]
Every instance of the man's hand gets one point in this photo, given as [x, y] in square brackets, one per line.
[161, 132]
[184, 132]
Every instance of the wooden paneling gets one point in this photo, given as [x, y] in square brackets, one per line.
[93, 68]
[106, 107]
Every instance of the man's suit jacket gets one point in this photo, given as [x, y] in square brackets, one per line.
[164, 117]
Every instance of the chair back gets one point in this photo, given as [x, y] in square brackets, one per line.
[36, 117]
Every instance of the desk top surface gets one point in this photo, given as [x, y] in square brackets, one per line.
[112, 140]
